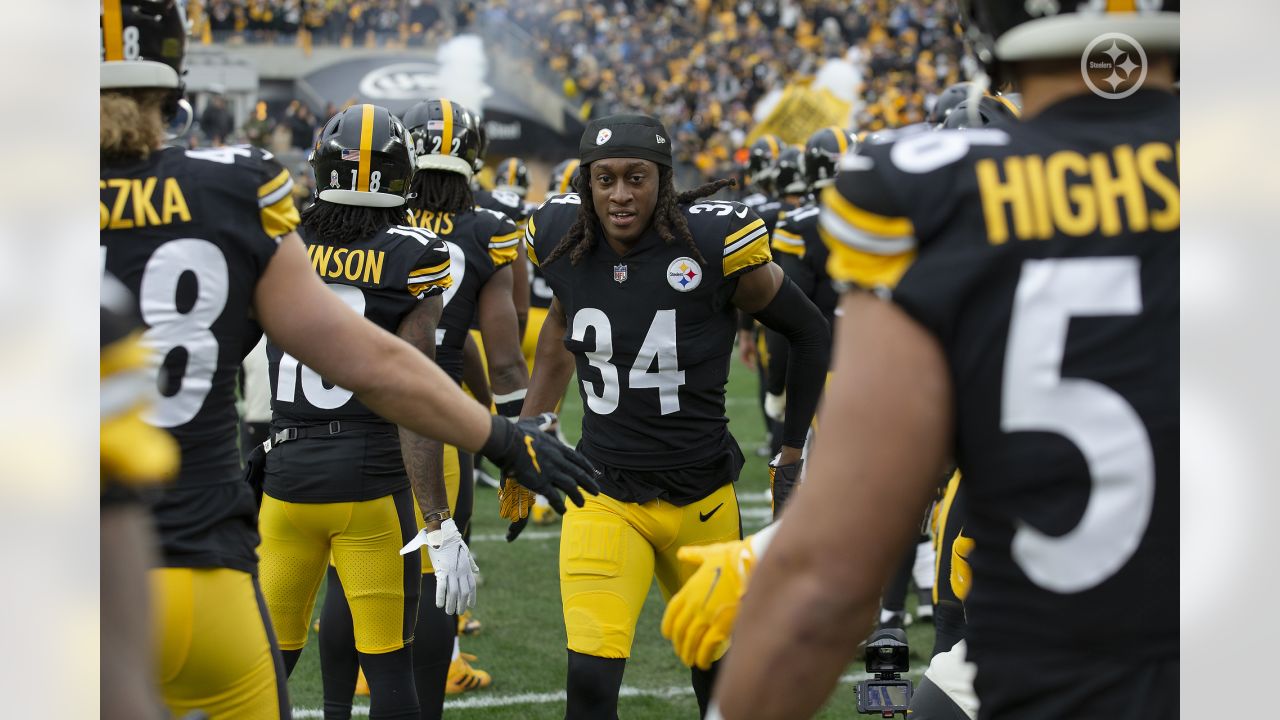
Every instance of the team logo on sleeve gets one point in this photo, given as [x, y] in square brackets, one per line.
[684, 274]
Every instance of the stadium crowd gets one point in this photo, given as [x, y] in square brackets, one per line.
[700, 65]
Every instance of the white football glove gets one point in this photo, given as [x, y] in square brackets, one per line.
[455, 570]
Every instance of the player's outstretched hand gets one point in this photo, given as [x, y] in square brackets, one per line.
[539, 461]
[454, 566]
[699, 619]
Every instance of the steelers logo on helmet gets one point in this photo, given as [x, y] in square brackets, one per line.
[603, 136]
[363, 153]
[446, 136]
[684, 274]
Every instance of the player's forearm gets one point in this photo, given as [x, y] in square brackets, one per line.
[410, 390]
[799, 635]
[424, 464]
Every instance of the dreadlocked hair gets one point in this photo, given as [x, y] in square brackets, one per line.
[441, 191]
[334, 223]
[667, 218]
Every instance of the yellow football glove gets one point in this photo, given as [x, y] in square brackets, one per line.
[514, 500]
[700, 616]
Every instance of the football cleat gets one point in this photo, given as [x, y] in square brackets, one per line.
[463, 677]
[468, 625]
[543, 515]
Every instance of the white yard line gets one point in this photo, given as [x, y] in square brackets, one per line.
[491, 701]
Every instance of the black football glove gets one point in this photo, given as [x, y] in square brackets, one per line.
[782, 481]
[539, 461]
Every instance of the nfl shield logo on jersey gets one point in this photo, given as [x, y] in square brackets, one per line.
[684, 274]
[619, 273]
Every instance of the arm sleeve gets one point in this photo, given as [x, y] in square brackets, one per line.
[796, 318]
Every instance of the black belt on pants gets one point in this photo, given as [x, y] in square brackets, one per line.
[318, 430]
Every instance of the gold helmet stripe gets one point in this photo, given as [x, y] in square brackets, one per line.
[842, 140]
[366, 147]
[446, 135]
[112, 31]
[773, 145]
[511, 172]
[569, 170]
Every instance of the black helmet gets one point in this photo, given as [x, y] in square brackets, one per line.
[364, 157]
[947, 101]
[446, 136]
[512, 175]
[788, 176]
[1001, 31]
[990, 110]
[822, 153]
[563, 177]
[761, 158]
[144, 44]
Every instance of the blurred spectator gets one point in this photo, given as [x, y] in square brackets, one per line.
[216, 121]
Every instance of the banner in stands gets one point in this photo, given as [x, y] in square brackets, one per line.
[397, 82]
[800, 112]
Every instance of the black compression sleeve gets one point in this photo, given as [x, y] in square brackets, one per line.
[745, 321]
[779, 352]
[797, 319]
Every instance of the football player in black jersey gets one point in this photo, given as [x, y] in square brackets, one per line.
[647, 282]
[340, 480]
[205, 240]
[1025, 318]
[483, 244]
[507, 197]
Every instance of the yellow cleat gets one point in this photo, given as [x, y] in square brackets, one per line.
[468, 625]
[463, 677]
[543, 515]
[362, 685]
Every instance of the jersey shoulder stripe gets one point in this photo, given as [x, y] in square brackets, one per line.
[747, 246]
[871, 241]
[785, 241]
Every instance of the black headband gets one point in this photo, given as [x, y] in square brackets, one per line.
[625, 136]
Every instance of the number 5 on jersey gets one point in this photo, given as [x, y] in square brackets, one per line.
[659, 344]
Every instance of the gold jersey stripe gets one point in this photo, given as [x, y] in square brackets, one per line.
[273, 184]
[788, 242]
[366, 148]
[751, 227]
[112, 31]
[417, 274]
[864, 220]
[446, 135]
[748, 256]
[849, 265]
[281, 218]
[503, 240]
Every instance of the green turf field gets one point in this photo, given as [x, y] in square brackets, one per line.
[522, 641]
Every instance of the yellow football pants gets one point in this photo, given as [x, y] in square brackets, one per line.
[532, 329]
[364, 538]
[610, 552]
[215, 649]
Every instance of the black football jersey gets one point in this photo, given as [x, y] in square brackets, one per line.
[480, 243]
[769, 212]
[1044, 258]
[510, 204]
[800, 252]
[652, 333]
[189, 233]
[381, 277]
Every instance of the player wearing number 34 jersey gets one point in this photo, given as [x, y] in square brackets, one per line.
[646, 284]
